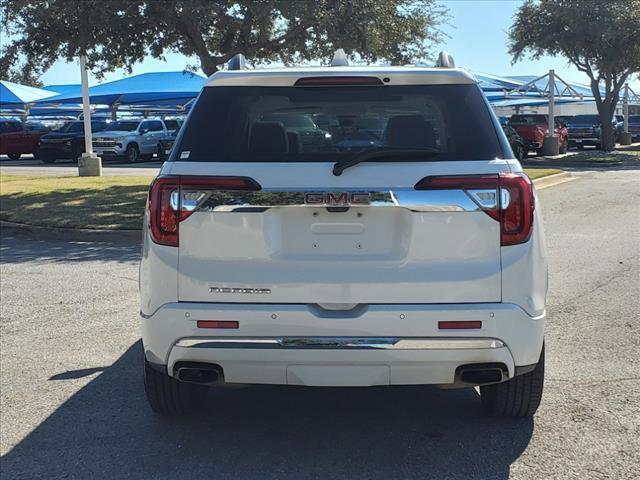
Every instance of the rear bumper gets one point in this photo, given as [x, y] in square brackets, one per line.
[377, 345]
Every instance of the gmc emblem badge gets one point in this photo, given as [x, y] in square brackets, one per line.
[341, 199]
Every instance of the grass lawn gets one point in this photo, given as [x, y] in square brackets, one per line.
[88, 202]
[541, 172]
[74, 202]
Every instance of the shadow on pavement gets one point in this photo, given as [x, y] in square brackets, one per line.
[106, 431]
[15, 250]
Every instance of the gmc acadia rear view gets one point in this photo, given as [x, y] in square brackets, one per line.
[343, 226]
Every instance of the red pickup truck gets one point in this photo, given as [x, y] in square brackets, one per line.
[533, 129]
[16, 140]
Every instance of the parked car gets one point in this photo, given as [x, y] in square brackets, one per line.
[634, 127]
[534, 127]
[16, 140]
[586, 130]
[173, 124]
[166, 143]
[417, 261]
[563, 119]
[130, 140]
[515, 140]
[67, 142]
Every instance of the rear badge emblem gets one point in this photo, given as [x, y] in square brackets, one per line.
[254, 291]
[341, 199]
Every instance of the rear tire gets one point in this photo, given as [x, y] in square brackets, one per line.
[518, 397]
[13, 156]
[168, 396]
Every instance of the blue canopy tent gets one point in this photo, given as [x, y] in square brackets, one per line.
[159, 88]
[18, 97]
[65, 89]
[494, 83]
[528, 101]
[584, 90]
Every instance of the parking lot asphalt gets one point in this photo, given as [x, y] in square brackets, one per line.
[73, 405]
[29, 166]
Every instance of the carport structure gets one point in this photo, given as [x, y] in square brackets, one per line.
[16, 99]
[156, 91]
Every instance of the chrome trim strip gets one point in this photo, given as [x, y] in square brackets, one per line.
[353, 343]
[455, 200]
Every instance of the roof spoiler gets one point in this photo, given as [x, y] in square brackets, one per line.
[445, 60]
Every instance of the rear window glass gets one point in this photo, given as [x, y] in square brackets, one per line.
[172, 124]
[325, 124]
[124, 125]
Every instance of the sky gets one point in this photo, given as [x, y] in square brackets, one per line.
[477, 41]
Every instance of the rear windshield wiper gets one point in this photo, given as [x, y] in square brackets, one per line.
[383, 153]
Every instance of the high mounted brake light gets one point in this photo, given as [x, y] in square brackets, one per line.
[332, 81]
[506, 197]
[173, 199]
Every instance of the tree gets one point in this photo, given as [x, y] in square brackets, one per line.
[119, 33]
[601, 38]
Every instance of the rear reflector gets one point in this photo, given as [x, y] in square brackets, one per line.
[173, 199]
[331, 81]
[217, 324]
[460, 325]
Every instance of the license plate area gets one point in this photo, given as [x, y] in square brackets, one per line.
[355, 232]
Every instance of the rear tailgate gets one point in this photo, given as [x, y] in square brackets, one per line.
[310, 237]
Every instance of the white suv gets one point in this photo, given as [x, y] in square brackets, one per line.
[343, 226]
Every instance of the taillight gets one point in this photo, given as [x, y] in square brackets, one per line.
[516, 214]
[163, 217]
[506, 197]
[173, 199]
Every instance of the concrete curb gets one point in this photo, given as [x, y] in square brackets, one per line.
[69, 234]
[569, 164]
[551, 180]
[135, 236]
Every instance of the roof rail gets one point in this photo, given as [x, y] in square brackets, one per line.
[339, 58]
[445, 60]
[237, 62]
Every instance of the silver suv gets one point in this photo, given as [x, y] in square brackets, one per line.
[343, 226]
[131, 140]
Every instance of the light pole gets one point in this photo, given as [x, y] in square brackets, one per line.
[89, 165]
[625, 138]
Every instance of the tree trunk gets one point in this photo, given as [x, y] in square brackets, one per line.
[606, 108]
[208, 65]
[607, 140]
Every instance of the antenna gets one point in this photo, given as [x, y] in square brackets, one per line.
[237, 62]
[339, 59]
[445, 60]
